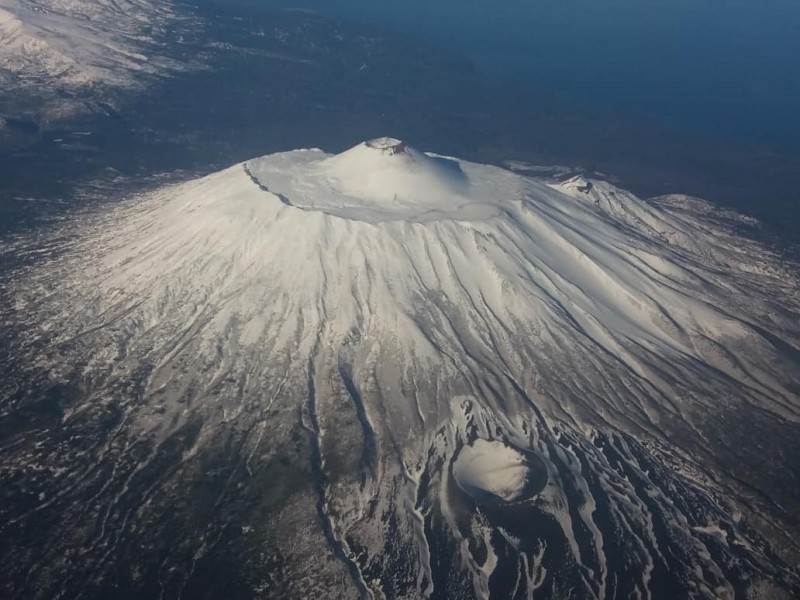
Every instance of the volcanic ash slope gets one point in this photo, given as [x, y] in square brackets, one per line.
[393, 374]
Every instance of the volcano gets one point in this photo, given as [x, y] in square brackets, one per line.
[394, 374]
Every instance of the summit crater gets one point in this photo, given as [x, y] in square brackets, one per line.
[379, 180]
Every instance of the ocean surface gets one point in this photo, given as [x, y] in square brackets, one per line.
[729, 70]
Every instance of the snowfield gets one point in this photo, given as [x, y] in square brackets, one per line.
[350, 346]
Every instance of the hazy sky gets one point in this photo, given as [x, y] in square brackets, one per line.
[727, 67]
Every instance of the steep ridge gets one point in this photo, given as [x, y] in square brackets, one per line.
[417, 375]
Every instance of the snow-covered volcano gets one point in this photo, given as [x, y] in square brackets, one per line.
[395, 374]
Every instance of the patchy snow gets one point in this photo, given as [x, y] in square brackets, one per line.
[78, 43]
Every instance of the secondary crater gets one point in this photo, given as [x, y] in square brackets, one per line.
[492, 472]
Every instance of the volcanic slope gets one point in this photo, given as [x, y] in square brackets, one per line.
[394, 374]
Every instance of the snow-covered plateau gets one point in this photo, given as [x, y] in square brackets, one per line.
[394, 374]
